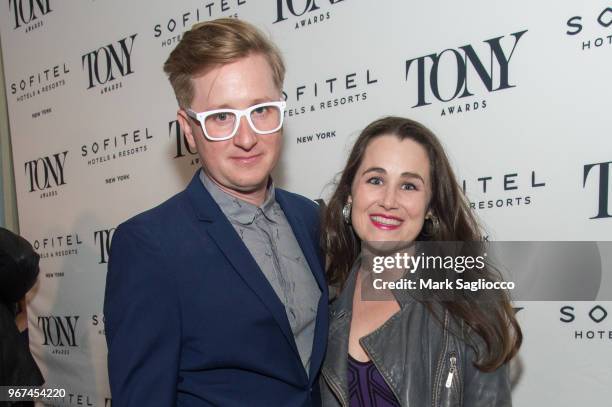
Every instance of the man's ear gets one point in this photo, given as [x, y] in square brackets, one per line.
[185, 123]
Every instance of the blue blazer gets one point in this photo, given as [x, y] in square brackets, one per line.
[190, 318]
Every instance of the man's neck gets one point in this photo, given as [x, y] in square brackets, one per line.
[255, 197]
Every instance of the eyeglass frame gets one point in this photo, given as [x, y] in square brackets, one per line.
[239, 113]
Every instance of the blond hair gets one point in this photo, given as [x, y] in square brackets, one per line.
[213, 43]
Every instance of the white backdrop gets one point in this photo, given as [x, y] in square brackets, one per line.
[518, 92]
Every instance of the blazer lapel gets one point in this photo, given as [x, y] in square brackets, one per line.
[307, 245]
[217, 226]
[303, 237]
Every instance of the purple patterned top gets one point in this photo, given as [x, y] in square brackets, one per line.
[367, 387]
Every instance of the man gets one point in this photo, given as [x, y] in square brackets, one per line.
[217, 297]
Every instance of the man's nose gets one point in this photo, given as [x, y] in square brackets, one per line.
[245, 137]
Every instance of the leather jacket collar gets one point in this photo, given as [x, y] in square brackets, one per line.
[421, 361]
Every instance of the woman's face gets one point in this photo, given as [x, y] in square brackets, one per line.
[391, 191]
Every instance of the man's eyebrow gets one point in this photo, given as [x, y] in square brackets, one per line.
[251, 103]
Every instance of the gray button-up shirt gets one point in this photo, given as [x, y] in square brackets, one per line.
[267, 234]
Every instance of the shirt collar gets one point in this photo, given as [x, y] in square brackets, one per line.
[241, 211]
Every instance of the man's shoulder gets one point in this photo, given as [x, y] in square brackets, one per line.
[297, 198]
[298, 202]
[151, 230]
[161, 216]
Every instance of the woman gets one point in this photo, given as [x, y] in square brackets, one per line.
[398, 186]
[18, 272]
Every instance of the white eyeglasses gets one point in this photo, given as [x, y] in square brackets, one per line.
[222, 124]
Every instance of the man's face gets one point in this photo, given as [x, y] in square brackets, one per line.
[242, 164]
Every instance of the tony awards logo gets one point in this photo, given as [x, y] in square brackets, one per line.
[103, 239]
[305, 13]
[109, 63]
[28, 13]
[59, 332]
[182, 147]
[45, 174]
[603, 210]
[427, 69]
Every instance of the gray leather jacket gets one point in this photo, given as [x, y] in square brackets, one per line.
[423, 363]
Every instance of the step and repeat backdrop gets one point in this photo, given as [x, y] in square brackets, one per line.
[519, 92]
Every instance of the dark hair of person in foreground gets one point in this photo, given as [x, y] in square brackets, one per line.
[493, 321]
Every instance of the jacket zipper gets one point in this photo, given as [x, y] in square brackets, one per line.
[455, 378]
[451, 371]
[438, 377]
